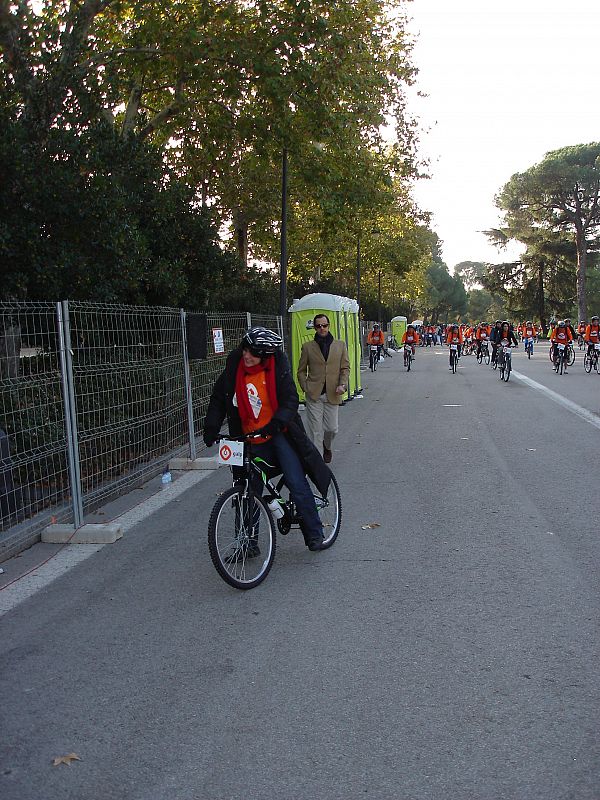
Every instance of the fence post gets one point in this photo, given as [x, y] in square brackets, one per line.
[248, 320]
[68, 391]
[188, 387]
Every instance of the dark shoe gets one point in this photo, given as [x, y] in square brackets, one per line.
[327, 455]
[316, 546]
[243, 553]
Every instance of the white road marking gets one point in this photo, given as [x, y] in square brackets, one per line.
[73, 554]
[586, 415]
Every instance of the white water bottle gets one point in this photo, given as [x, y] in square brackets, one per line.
[275, 508]
[166, 479]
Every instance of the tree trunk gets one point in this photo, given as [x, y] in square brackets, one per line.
[240, 226]
[581, 243]
[540, 299]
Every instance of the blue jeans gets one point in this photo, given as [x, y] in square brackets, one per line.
[278, 451]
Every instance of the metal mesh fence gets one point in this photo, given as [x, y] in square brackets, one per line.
[129, 393]
[34, 483]
[113, 395]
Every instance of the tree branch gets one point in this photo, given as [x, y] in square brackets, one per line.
[167, 113]
[10, 34]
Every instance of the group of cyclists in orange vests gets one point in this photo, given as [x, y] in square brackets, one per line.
[502, 332]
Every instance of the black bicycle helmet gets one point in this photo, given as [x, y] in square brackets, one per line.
[261, 341]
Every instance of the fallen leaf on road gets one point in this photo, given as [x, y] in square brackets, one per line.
[65, 759]
[371, 525]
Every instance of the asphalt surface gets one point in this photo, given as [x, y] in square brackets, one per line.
[450, 653]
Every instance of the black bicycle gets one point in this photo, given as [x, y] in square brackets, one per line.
[560, 359]
[505, 361]
[590, 359]
[408, 357]
[373, 357]
[243, 523]
[453, 358]
[484, 353]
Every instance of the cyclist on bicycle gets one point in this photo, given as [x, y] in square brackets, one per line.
[494, 339]
[506, 335]
[560, 335]
[592, 334]
[570, 327]
[257, 394]
[454, 336]
[376, 337]
[529, 332]
[482, 334]
[411, 337]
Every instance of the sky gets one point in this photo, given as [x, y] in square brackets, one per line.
[506, 82]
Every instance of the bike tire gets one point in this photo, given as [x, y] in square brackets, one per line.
[507, 370]
[330, 512]
[587, 363]
[487, 358]
[229, 539]
[562, 363]
[479, 357]
[454, 364]
[571, 358]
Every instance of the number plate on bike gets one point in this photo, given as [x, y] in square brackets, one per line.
[596, 346]
[231, 453]
[453, 347]
[506, 348]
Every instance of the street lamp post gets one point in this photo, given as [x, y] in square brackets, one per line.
[358, 272]
[283, 260]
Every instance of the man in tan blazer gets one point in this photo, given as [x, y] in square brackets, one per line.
[323, 373]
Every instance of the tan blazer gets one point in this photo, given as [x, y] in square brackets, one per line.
[314, 371]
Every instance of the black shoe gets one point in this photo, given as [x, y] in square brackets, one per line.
[316, 546]
[243, 553]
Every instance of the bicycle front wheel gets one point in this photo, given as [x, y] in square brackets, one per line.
[570, 356]
[587, 363]
[330, 511]
[241, 538]
[507, 369]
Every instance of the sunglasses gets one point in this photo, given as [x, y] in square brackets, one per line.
[322, 325]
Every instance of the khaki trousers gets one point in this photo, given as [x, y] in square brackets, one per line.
[321, 421]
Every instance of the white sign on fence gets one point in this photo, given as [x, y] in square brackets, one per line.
[218, 341]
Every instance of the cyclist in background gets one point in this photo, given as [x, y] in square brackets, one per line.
[592, 333]
[529, 332]
[376, 337]
[454, 336]
[571, 328]
[560, 335]
[494, 338]
[411, 337]
[482, 334]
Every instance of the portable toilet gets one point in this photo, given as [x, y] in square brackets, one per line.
[354, 350]
[398, 328]
[301, 323]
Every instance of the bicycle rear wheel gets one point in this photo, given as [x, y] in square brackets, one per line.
[570, 356]
[241, 538]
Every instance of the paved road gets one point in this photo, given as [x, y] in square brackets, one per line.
[449, 654]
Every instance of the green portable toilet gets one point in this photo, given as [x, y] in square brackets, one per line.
[353, 343]
[398, 328]
[301, 323]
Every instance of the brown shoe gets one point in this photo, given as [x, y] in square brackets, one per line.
[327, 455]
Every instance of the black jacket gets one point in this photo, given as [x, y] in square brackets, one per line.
[221, 406]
